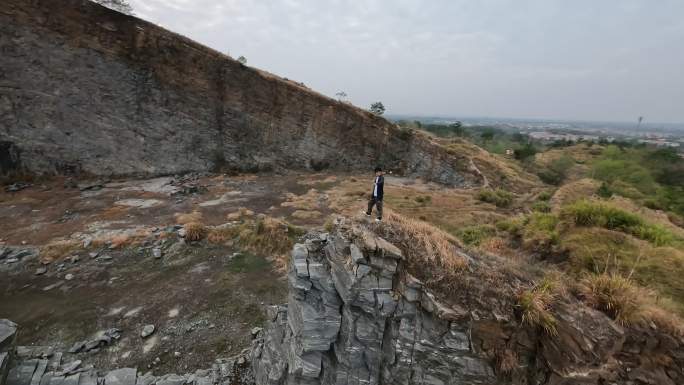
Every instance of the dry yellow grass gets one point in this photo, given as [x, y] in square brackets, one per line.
[242, 212]
[310, 201]
[183, 219]
[431, 254]
[535, 303]
[306, 214]
[627, 303]
[123, 238]
[195, 231]
[262, 235]
[58, 250]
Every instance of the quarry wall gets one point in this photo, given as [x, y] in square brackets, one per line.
[84, 89]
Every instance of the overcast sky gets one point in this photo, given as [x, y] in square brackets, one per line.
[565, 59]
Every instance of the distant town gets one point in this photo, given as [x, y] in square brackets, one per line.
[549, 131]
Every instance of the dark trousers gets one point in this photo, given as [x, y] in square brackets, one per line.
[378, 204]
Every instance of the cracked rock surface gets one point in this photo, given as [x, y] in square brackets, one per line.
[351, 320]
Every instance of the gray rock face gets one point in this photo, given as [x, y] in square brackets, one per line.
[124, 376]
[8, 333]
[87, 90]
[349, 321]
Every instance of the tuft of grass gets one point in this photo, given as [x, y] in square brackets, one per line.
[512, 226]
[242, 212]
[535, 306]
[541, 206]
[589, 213]
[545, 196]
[58, 250]
[629, 304]
[183, 219]
[475, 235]
[498, 197]
[329, 224]
[195, 231]
[615, 295]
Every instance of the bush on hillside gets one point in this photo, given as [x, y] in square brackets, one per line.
[498, 197]
[541, 206]
[556, 171]
[604, 191]
[474, 235]
[539, 232]
[545, 196]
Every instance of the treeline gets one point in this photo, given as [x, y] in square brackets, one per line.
[492, 139]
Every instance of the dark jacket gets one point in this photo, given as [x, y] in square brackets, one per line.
[381, 183]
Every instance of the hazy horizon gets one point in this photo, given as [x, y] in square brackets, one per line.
[606, 61]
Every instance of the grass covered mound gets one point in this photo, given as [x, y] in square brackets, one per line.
[592, 213]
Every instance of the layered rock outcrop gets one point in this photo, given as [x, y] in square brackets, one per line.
[351, 319]
[355, 315]
[84, 89]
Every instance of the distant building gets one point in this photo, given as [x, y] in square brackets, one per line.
[660, 143]
[551, 137]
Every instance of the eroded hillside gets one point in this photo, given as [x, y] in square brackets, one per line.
[88, 90]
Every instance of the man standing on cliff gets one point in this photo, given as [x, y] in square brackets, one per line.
[376, 196]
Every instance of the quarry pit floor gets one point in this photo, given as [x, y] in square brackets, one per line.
[203, 299]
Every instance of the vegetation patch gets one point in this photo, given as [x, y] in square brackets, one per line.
[475, 235]
[498, 197]
[615, 295]
[195, 231]
[261, 235]
[183, 219]
[556, 171]
[539, 232]
[535, 305]
[590, 213]
[541, 206]
[58, 250]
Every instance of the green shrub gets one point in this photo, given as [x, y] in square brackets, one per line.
[535, 307]
[474, 235]
[499, 197]
[423, 199]
[539, 232]
[542, 207]
[556, 171]
[511, 226]
[604, 191]
[545, 196]
[658, 235]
